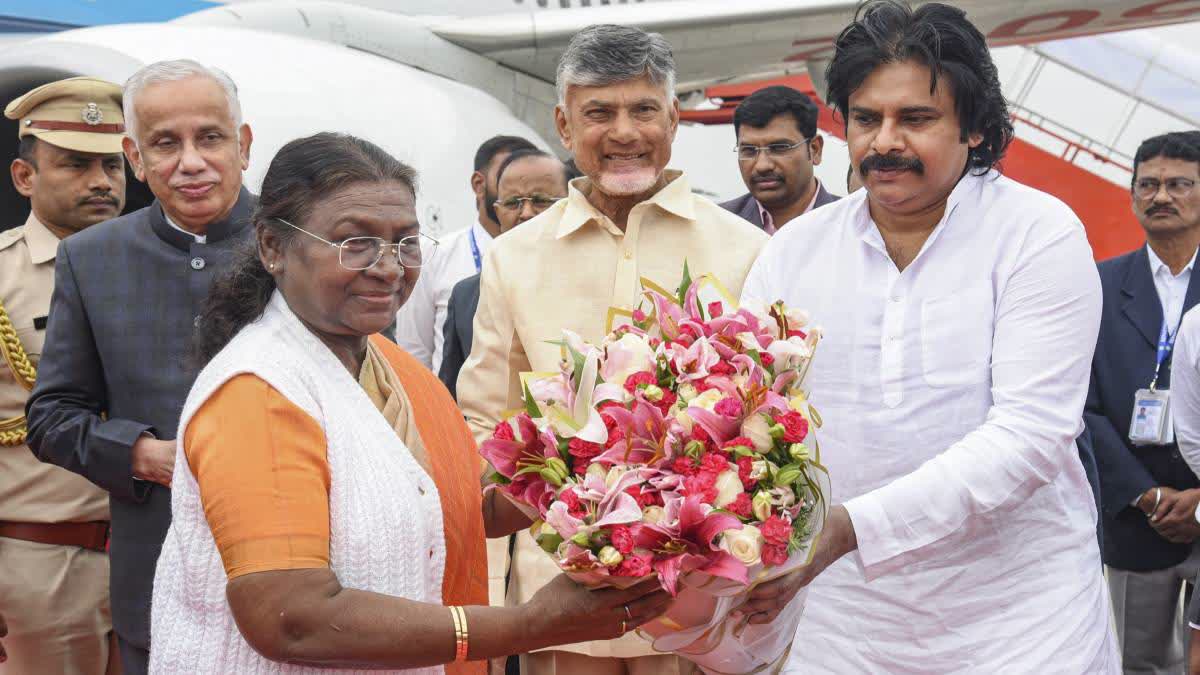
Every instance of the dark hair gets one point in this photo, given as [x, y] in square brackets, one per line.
[573, 171]
[496, 145]
[303, 173]
[764, 105]
[26, 147]
[941, 38]
[525, 154]
[1184, 145]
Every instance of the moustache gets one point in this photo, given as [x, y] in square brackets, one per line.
[106, 199]
[1161, 209]
[890, 163]
[763, 177]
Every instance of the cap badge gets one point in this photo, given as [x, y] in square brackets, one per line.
[92, 115]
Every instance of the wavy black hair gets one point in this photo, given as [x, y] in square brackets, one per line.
[303, 173]
[941, 38]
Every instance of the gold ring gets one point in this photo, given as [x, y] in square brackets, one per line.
[628, 614]
[622, 626]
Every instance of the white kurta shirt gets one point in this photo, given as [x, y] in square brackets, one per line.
[1172, 288]
[420, 321]
[952, 393]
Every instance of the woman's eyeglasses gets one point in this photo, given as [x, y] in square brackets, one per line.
[360, 253]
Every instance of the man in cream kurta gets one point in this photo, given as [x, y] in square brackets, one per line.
[565, 269]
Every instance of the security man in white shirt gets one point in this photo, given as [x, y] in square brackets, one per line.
[420, 321]
[1151, 515]
[959, 311]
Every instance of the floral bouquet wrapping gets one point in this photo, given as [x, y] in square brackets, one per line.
[682, 446]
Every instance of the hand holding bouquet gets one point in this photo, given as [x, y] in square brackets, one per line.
[682, 446]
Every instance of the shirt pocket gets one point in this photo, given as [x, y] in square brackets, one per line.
[956, 337]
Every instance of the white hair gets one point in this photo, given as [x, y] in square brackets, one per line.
[174, 71]
[605, 54]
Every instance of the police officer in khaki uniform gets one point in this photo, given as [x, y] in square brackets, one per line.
[53, 523]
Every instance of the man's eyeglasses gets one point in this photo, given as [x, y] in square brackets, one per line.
[749, 153]
[360, 253]
[539, 202]
[1147, 188]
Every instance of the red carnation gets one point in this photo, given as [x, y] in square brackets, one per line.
[739, 441]
[575, 507]
[684, 466]
[774, 555]
[776, 530]
[722, 368]
[666, 402]
[714, 462]
[642, 377]
[715, 309]
[795, 427]
[614, 436]
[504, 432]
[635, 565]
[766, 358]
[728, 407]
[745, 466]
[699, 434]
[622, 539]
[741, 506]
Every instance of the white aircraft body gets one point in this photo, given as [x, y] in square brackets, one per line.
[429, 80]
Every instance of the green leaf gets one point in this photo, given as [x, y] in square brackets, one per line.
[531, 406]
[684, 285]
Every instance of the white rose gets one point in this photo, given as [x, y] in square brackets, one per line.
[729, 486]
[759, 469]
[653, 515]
[685, 420]
[708, 400]
[761, 505]
[610, 557]
[639, 357]
[744, 544]
[758, 430]
[688, 391]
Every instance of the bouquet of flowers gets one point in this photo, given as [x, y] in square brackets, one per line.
[682, 446]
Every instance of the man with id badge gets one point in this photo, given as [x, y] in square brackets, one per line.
[1148, 491]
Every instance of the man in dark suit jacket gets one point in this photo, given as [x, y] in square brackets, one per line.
[460, 314]
[1146, 290]
[114, 371]
[777, 147]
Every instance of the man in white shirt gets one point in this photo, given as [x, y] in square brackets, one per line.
[959, 311]
[420, 321]
[1159, 553]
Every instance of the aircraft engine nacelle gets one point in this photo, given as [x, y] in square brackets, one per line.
[289, 87]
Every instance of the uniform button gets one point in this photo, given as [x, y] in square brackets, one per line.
[196, 321]
[628, 254]
[197, 263]
[895, 298]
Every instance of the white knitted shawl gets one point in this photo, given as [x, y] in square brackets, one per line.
[385, 517]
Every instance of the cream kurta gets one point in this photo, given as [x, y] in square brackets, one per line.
[31, 491]
[565, 269]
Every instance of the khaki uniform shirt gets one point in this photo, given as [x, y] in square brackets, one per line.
[31, 491]
[565, 269]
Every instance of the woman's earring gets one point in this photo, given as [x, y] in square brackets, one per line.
[271, 266]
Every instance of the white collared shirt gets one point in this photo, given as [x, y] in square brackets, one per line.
[1185, 390]
[420, 321]
[1172, 288]
[951, 394]
[200, 238]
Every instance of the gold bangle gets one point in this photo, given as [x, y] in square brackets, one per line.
[462, 636]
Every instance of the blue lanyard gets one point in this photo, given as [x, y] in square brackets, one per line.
[1166, 344]
[475, 251]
